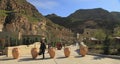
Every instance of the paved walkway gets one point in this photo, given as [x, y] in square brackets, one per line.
[60, 59]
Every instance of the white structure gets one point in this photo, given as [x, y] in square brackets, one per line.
[82, 44]
[1, 26]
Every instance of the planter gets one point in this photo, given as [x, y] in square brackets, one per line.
[66, 52]
[15, 53]
[59, 46]
[83, 50]
[51, 52]
[34, 53]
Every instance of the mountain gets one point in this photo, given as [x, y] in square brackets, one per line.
[59, 20]
[116, 15]
[87, 18]
[20, 17]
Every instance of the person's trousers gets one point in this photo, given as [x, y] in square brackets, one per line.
[43, 53]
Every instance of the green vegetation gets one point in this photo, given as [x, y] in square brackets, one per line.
[116, 31]
[3, 13]
[106, 45]
[33, 19]
[99, 34]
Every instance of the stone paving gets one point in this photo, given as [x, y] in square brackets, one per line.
[74, 58]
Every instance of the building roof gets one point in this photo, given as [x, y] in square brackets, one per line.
[92, 38]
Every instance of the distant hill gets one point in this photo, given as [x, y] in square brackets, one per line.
[87, 18]
[63, 21]
[116, 15]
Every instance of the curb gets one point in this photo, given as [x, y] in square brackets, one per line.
[108, 56]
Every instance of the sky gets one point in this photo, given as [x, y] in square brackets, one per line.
[64, 8]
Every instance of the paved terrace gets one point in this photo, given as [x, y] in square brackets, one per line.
[60, 59]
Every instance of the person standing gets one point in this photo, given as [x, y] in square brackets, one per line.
[42, 48]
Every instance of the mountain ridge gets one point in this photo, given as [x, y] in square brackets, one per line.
[99, 17]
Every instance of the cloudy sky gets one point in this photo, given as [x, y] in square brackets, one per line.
[66, 7]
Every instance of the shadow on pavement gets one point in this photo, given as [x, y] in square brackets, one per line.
[5, 59]
[61, 57]
[31, 59]
[45, 58]
[77, 51]
[26, 59]
[98, 57]
[78, 56]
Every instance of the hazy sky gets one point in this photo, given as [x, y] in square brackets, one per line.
[66, 7]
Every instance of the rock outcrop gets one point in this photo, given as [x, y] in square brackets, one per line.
[20, 16]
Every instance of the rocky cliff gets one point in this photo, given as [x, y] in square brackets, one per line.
[20, 17]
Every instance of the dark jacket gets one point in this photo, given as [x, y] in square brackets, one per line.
[43, 46]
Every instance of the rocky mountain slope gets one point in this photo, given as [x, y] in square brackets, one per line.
[19, 16]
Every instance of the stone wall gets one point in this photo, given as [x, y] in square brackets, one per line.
[24, 49]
